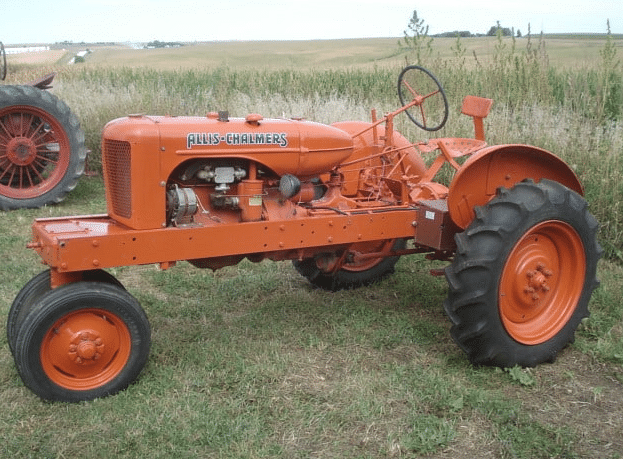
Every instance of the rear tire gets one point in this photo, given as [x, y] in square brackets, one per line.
[350, 275]
[82, 341]
[42, 151]
[523, 275]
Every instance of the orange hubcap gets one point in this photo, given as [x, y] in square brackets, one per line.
[542, 282]
[85, 349]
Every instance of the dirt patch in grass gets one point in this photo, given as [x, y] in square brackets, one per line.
[582, 395]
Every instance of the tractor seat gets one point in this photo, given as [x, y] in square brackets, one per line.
[476, 107]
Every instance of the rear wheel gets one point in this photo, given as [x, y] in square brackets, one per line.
[523, 275]
[351, 275]
[42, 152]
[82, 341]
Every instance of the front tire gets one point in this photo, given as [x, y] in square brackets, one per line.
[82, 341]
[34, 289]
[523, 275]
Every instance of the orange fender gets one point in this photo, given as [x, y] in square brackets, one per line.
[476, 182]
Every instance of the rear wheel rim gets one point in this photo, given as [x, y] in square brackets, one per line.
[85, 349]
[542, 282]
[367, 247]
[34, 152]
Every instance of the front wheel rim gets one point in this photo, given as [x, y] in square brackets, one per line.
[542, 282]
[85, 349]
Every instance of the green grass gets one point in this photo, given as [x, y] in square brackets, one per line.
[251, 361]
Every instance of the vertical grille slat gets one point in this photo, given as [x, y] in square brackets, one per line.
[116, 160]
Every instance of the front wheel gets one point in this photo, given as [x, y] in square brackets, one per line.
[33, 290]
[523, 275]
[82, 341]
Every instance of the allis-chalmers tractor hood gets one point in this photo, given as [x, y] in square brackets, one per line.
[296, 147]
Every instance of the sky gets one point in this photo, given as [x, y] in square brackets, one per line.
[36, 21]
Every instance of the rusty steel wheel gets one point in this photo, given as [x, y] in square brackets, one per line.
[42, 152]
[351, 275]
[523, 275]
[82, 341]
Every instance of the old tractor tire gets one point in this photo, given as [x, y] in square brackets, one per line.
[351, 275]
[42, 151]
[34, 289]
[82, 341]
[522, 276]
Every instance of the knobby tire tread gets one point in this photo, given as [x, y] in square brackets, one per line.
[482, 250]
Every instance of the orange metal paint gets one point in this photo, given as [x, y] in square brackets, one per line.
[542, 282]
[68, 245]
[476, 182]
[85, 349]
[478, 108]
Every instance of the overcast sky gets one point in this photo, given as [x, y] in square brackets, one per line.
[52, 21]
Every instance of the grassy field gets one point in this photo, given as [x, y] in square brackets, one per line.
[251, 361]
[563, 51]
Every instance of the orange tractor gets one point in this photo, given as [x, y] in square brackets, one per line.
[342, 201]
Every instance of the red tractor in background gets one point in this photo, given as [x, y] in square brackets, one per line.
[342, 201]
[42, 152]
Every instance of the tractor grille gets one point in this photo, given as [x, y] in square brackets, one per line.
[116, 161]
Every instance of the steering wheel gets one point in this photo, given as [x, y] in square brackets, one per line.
[2, 62]
[421, 91]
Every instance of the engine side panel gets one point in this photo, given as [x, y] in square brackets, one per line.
[141, 152]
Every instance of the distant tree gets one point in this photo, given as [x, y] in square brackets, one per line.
[163, 44]
[454, 34]
[505, 32]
